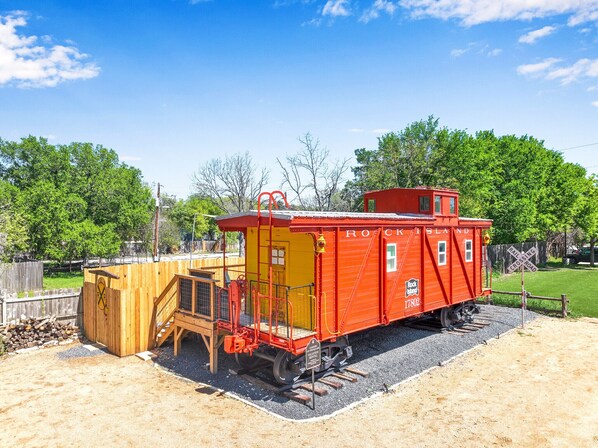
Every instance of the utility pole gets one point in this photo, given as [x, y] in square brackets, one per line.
[157, 225]
[192, 240]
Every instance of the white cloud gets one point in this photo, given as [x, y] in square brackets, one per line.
[380, 131]
[533, 36]
[25, 62]
[595, 103]
[591, 89]
[478, 48]
[532, 69]
[474, 12]
[313, 22]
[335, 8]
[456, 52]
[583, 68]
[373, 12]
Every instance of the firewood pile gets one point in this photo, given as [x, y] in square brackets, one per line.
[36, 332]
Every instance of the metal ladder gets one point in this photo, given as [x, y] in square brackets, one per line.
[268, 263]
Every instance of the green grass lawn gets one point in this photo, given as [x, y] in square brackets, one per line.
[61, 280]
[579, 282]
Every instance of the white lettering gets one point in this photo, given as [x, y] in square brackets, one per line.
[387, 232]
[412, 303]
[365, 233]
[459, 230]
[351, 233]
[429, 231]
[399, 232]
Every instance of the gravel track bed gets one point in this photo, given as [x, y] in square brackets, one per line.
[389, 354]
[80, 352]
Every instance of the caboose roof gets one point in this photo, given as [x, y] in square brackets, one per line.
[303, 218]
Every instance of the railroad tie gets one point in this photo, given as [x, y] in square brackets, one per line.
[299, 398]
[342, 376]
[317, 390]
[357, 372]
[334, 384]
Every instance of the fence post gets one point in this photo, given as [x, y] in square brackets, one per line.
[564, 305]
[4, 296]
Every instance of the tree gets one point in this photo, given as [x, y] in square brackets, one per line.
[526, 189]
[67, 192]
[233, 183]
[315, 184]
[404, 159]
[13, 232]
[587, 216]
[198, 209]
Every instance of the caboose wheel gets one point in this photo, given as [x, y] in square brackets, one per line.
[446, 318]
[457, 315]
[287, 368]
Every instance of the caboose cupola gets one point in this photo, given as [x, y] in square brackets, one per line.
[420, 201]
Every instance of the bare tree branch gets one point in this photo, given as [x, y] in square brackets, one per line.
[233, 183]
[313, 182]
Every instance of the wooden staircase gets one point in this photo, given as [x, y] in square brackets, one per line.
[165, 307]
[188, 304]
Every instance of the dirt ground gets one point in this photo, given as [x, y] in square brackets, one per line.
[536, 387]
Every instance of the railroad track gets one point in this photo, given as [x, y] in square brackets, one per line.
[301, 391]
[482, 320]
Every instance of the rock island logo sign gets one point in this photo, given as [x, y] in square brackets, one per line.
[412, 293]
[412, 287]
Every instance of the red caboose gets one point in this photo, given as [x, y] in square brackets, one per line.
[329, 274]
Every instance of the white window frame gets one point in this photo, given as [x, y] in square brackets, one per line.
[393, 258]
[438, 204]
[469, 252]
[441, 253]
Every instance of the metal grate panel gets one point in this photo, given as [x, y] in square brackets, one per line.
[185, 287]
[202, 298]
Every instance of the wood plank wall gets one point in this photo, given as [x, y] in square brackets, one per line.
[18, 277]
[125, 327]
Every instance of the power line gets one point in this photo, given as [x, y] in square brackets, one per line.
[576, 147]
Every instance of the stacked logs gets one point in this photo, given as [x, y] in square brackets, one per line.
[32, 332]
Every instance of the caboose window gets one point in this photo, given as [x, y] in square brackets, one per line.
[441, 253]
[424, 203]
[468, 251]
[452, 206]
[391, 258]
[437, 204]
[371, 205]
[278, 256]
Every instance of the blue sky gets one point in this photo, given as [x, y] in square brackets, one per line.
[169, 84]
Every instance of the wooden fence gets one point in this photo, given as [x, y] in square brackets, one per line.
[17, 277]
[501, 259]
[65, 304]
[119, 313]
[564, 309]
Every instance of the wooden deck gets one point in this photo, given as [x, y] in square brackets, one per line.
[283, 331]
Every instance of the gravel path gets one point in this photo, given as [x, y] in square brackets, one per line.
[389, 354]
